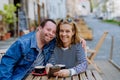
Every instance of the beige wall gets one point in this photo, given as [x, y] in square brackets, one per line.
[74, 7]
[70, 5]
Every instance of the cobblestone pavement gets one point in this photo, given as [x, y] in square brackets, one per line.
[6, 44]
[98, 27]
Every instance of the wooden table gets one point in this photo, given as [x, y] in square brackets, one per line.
[88, 75]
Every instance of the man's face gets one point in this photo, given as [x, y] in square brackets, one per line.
[48, 32]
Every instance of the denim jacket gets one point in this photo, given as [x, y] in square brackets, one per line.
[20, 56]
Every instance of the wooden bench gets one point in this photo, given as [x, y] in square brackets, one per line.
[88, 75]
[2, 52]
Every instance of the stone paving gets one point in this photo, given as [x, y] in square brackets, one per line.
[6, 44]
[98, 27]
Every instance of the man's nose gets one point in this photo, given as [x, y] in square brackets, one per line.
[52, 33]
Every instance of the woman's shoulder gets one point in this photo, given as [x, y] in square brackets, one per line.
[77, 44]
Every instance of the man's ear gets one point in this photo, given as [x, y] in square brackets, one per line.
[39, 28]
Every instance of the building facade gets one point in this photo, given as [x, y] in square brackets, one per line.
[78, 7]
[108, 9]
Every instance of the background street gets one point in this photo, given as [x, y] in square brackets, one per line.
[98, 27]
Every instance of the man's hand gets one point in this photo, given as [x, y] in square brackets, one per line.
[48, 67]
[62, 73]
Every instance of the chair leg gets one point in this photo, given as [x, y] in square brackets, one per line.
[94, 65]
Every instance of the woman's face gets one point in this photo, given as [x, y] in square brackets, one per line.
[66, 34]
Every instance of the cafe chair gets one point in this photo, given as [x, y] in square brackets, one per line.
[93, 52]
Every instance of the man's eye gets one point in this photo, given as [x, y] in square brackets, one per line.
[48, 29]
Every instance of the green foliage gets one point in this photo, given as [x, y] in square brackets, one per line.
[18, 5]
[104, 6]
[8, 13]
[112, 21]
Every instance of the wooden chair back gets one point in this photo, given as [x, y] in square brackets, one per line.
[97, 47]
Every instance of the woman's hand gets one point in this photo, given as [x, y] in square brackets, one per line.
[62, 73]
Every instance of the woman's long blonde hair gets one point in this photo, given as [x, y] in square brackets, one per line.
[75, 37]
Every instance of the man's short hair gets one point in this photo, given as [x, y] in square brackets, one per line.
[45, 21]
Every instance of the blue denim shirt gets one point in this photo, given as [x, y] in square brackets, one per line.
[20, 56]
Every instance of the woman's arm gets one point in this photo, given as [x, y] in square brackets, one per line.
[81, 58]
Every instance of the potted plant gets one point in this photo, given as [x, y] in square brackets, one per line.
[8, 17]
[3, 30]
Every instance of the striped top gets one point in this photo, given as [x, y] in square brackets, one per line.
[73, 57]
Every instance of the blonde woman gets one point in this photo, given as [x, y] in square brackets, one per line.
[68, 50]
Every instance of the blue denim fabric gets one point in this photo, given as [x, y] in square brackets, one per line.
[20, 56]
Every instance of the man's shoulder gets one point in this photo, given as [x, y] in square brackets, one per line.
[26, 39]
[53, 42]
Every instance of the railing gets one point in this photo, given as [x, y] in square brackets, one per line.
[112, 59]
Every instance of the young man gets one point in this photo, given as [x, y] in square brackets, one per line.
[28, 51]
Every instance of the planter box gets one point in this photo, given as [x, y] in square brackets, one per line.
[5, 36]
[8, 35]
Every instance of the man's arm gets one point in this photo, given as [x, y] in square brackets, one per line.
[9, 60]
